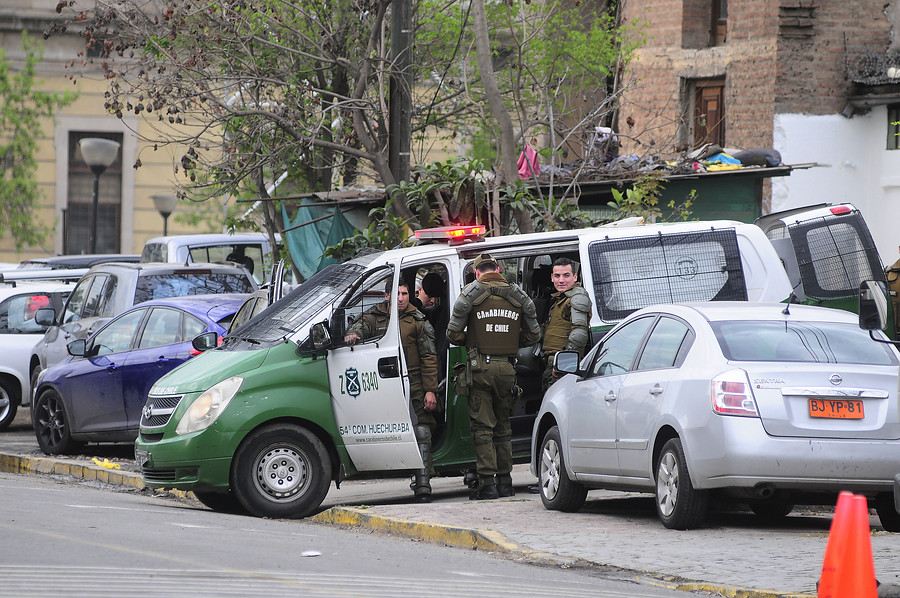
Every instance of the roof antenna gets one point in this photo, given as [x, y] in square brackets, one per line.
[787, 308]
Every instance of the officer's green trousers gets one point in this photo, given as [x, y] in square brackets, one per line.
[489, 400]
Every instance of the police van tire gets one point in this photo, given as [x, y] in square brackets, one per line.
[221, 502]
[558, 492]
[280, 471]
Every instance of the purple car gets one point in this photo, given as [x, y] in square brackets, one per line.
[97, 394]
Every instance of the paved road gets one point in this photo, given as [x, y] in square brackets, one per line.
[734, 554]
[69, 542]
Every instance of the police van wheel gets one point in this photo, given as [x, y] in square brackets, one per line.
[558, 492]
[281, 471]
[221, 502]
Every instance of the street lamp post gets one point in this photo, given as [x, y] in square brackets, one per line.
[98, 154]
[165, 204]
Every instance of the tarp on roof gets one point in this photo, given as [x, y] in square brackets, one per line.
[306, 243]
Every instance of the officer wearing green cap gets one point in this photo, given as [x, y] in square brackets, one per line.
[492, 318]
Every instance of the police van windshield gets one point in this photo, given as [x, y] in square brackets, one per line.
[294, 310]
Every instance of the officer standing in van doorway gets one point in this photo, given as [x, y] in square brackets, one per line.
[568, 325]
[492, 318]
[417, 340]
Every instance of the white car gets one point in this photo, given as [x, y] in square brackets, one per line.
[18, 334]
[769, 404]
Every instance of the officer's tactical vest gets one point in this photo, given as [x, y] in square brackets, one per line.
[494, 323]
[556, 334]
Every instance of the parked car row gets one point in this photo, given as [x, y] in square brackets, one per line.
[704, 386]
[47, 303]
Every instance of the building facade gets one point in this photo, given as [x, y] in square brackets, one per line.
[126, 213]
[817, 80]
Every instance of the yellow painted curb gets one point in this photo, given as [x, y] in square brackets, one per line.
[733, 591]
[89, 473]
[435, 533]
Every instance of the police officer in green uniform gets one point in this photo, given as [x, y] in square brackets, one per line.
[569, 319]
[417, 340]
[567, 327]
[492, 318]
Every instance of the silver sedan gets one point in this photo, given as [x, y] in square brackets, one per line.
[772, 404]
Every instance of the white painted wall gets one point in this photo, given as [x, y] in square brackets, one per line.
[856, 168]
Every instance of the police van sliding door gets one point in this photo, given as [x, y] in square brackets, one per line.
[368, 394]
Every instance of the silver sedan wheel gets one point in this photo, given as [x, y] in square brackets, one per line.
[550, 467]
[667, 484]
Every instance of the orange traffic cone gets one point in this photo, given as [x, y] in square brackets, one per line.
[848, 570]
[834, 550]
[856, 578]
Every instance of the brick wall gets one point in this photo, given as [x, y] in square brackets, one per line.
[781, 56]
[813, 44]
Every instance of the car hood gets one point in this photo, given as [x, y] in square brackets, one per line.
[208, 369]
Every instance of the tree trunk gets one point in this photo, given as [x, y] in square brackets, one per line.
[508, 170]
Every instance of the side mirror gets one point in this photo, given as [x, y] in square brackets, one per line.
[45, 316]
[205, 341]
[873, 305]
[77, 348]
[566, 362]
[319, 339]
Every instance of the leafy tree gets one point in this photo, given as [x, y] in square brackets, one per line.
[22, 109]
[255, 89]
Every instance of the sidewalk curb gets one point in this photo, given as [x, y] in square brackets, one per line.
[22, 464]
[475, 539]
[460, 537]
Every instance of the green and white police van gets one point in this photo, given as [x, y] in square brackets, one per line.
[284, 407]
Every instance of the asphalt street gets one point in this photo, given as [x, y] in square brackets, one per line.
[735, 554]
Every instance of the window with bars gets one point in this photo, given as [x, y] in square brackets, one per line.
[893, 126]
[77, 219]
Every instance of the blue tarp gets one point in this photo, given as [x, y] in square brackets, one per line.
[307, 243]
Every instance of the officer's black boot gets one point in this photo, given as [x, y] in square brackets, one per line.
[504, 486]
[505, 490]
[486, 490]
[422, 482]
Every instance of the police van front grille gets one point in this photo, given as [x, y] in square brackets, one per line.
[159, 410]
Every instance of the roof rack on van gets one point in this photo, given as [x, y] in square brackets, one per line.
[454, 235]
[25, 274]
[631, 221]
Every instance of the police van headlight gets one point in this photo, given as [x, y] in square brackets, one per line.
[207, 407]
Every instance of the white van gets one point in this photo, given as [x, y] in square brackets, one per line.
[252, 250]
[290, 394]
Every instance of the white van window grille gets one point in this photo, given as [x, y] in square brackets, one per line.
[636, 272]
[835, 253]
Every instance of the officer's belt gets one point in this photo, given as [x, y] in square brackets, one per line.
[511, 358]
